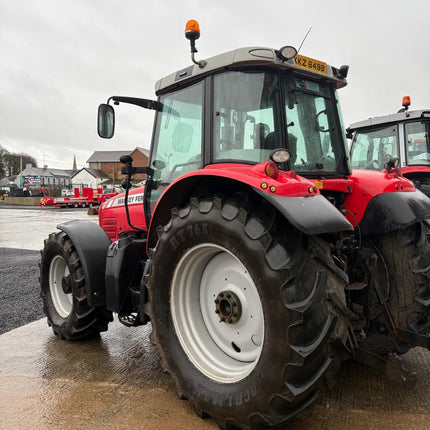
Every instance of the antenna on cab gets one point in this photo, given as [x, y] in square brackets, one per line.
[303, 41]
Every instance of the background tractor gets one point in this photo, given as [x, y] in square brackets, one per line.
[260, 259]
[404, 135]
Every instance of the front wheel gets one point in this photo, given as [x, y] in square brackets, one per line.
[64, 293]
[238, 310]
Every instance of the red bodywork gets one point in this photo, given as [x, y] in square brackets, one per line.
[360, 187]
[112, 215]
[416, 169]
[113, 219]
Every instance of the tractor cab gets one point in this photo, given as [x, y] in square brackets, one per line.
[403, 135]
[234, 110]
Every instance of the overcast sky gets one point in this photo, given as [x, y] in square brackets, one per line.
[59, 59]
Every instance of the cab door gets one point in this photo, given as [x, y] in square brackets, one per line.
[177, 142]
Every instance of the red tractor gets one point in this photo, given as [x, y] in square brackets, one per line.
[259, 258]
[404, 135]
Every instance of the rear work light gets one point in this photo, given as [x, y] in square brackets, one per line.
[280, 155]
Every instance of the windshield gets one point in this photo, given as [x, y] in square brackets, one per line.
[256, 112]
[418, 143]
[372, 148]
[316, 144]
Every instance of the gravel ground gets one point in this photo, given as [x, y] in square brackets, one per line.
[19, 288]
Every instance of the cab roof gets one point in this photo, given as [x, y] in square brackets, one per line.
[243, 57]
[390, 119]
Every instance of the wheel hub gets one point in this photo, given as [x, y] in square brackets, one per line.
[217, 313]
[228, 307]
[60, 286]
[66, 284]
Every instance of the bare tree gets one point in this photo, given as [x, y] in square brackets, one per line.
[10, 162]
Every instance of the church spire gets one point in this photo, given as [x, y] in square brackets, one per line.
[74, 163]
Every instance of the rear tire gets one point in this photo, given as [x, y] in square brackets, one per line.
[64, 293]
[407, 255]
[265, 365]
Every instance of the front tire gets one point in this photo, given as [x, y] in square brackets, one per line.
[238, 310]
[64, 293]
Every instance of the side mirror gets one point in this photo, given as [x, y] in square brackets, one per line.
[106, 121]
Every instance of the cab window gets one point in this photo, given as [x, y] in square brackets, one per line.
[313, 138]
[177, 147]
[418, 143]
[244, 120]
[178, 134]
[371, 149]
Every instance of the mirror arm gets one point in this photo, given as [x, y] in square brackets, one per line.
[145, 103]
[129, 169]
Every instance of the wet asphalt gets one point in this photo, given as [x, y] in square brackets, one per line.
[22, 232]
[115, 381]
[19, 288]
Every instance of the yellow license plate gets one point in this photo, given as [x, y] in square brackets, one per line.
[319, 184]
[311, 64]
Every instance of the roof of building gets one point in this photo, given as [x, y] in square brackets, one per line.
[108, 156]
[45, 172]
[143, 151]
[114, 156]
[94, 172]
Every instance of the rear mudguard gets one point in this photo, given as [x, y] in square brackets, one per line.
[311, 214]
[389, 212]
[91, 244]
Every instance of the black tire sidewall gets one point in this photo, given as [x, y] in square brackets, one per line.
[256, 389]
[83, 321]
[407, 255]
[51, 250]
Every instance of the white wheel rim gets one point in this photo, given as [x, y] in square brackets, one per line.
[62, 302]
[224, 352]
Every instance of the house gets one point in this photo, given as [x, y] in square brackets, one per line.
[108, 162]
[35, 177]
[88, 178]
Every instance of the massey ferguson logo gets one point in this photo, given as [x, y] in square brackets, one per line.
[132, 199]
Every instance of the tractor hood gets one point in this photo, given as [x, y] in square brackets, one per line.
[112, 215]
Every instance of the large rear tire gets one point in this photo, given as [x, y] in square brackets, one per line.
[406, 254]
[238, 309]
[64, 292]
